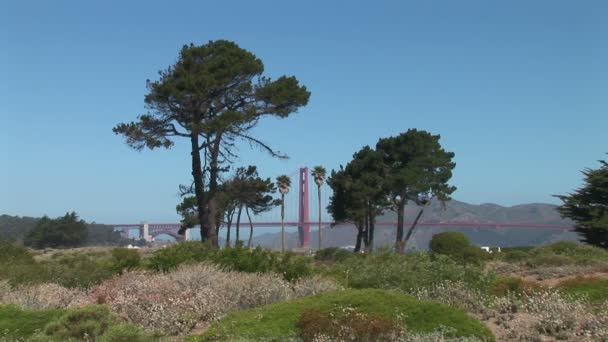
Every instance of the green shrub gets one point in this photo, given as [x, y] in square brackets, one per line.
[241, 259]
[475, 255]
[258, 260]
[514, 256]
[407, 272]
[452, 244]
[547, 259]
[333, 254]
[19, 265]
[79, 269]
[504, 285]
[126, 333]
[567, 252]
[592, 289]
[19, 324]
[292, 266]
[184, 252]
[125, 259]
[89, 322]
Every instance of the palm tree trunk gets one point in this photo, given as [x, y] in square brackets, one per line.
[282, 223]
[320, 234]
[250, 229]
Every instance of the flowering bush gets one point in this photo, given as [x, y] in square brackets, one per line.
[455, 294]
[316, 284]
[174, 302]
[44, 296]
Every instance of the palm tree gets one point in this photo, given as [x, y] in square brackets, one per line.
[318, 173]
[283, 183]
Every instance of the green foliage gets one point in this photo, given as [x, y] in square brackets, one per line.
[280, 321]
[79, 269]
[89, 322]
[292, 266]
[20, 324]
[475, 255]
[567, 253]
[126, 333]
[72, 269]
[239, 258]
[449, 243]
[514, 256]
[504, 285]
[457, 246]
[66, 231]
[19, 265]
[334, 254]
[406, 272]
[177, 254]
[588, 206]
[590, 288]
[125, 259]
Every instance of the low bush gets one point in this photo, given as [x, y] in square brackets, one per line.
[475, 255]
[567, 253]
[589, 288]
[16, 323]
[280, 321]
[89, 322]
[449, 243]
[514, 256]
[125, 259]
[506, 285]
[334, 254]
[408, 272]
[239, 258]
[78, 270]
[185, 252]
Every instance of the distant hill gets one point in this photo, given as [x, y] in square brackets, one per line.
[535, 213]
[16, 227]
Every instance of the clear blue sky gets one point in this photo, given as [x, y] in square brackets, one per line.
[517, 89]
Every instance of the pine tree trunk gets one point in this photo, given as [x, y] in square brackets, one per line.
[199, 186]
[250, 229]
[372, 224]
[359, 238]
[228, 232]
[411, 231]
[400, 222]
[238, 226]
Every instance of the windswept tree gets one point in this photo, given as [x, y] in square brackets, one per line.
[418, 169]
[588, 206]
[344, 205]
[359, 195]
[284, 184]
[368, 173]
[214, 95]
[318, 174]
